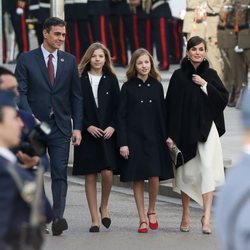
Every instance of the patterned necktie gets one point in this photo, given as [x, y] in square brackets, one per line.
[51, 70]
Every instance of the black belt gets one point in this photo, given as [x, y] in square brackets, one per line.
[189, 9]
[212, 14]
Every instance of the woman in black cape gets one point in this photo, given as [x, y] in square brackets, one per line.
[195, 102]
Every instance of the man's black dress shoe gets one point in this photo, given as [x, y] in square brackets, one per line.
[94, 229]
[58, 226]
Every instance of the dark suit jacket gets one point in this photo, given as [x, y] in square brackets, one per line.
[13, 209]
[39, 97]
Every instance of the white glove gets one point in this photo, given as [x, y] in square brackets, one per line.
[19, 11]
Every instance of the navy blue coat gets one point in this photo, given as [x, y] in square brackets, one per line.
[38, 96]
[141, 127]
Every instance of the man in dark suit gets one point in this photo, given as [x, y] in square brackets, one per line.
[49, 87]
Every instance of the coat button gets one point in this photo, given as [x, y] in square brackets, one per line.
[148, 85]
[104, 76]
[139, 85]
[107, 93]
[141, 101]
[150, 100]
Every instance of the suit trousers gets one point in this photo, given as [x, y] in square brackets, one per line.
[58, 148]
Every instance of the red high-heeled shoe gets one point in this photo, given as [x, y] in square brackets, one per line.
[143, 230]
[152, 225]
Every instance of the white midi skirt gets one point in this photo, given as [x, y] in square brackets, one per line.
[203, 173]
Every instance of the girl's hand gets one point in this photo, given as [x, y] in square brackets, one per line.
[124, 152]
[108, 132]
[198, 80]
[95, 131]
[170, 143]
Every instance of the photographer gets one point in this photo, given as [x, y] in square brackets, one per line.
[15, 204]
[8, 82]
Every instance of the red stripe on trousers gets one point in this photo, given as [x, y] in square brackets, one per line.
[122, 41]
[91, 39]
[135, 32]
[163, 40]
[103, 30]
[148, 36]
[24, 34]
[77, 42]
[177, 42]
[112, 37]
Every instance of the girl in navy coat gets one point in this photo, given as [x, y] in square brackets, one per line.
[97, 152]
[141, 134]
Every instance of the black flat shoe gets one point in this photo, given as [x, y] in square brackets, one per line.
[106, 221]
[94, 229]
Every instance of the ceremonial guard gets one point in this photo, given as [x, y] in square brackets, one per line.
[141, 25]
[235, 74]
[17, 11]
[189, 17]
[243, 15]
[78, 36]
[98, 17]
[39, 10]
[161, 21]
[204, 24]
[121, 24]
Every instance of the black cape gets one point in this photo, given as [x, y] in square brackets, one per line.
[190, 112]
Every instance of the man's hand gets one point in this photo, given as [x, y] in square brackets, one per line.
[108, 132]
[76, 137]
[26, 160]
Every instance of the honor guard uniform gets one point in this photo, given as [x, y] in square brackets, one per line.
[121, 26]
[141, 26]
[189, 16]
[78, 31]
[39, 10]
[98, 17]
[212, 19]
[17, 11]
[164, 34]
[243, 16]
[205, 22]
[234, 66]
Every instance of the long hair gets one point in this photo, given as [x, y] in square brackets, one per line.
[131, 72]
[85, 61]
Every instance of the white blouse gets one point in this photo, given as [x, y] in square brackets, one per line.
[94, 81]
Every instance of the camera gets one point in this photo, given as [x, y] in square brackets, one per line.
[33, 141]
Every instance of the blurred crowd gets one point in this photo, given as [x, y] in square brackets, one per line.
[224, 24]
